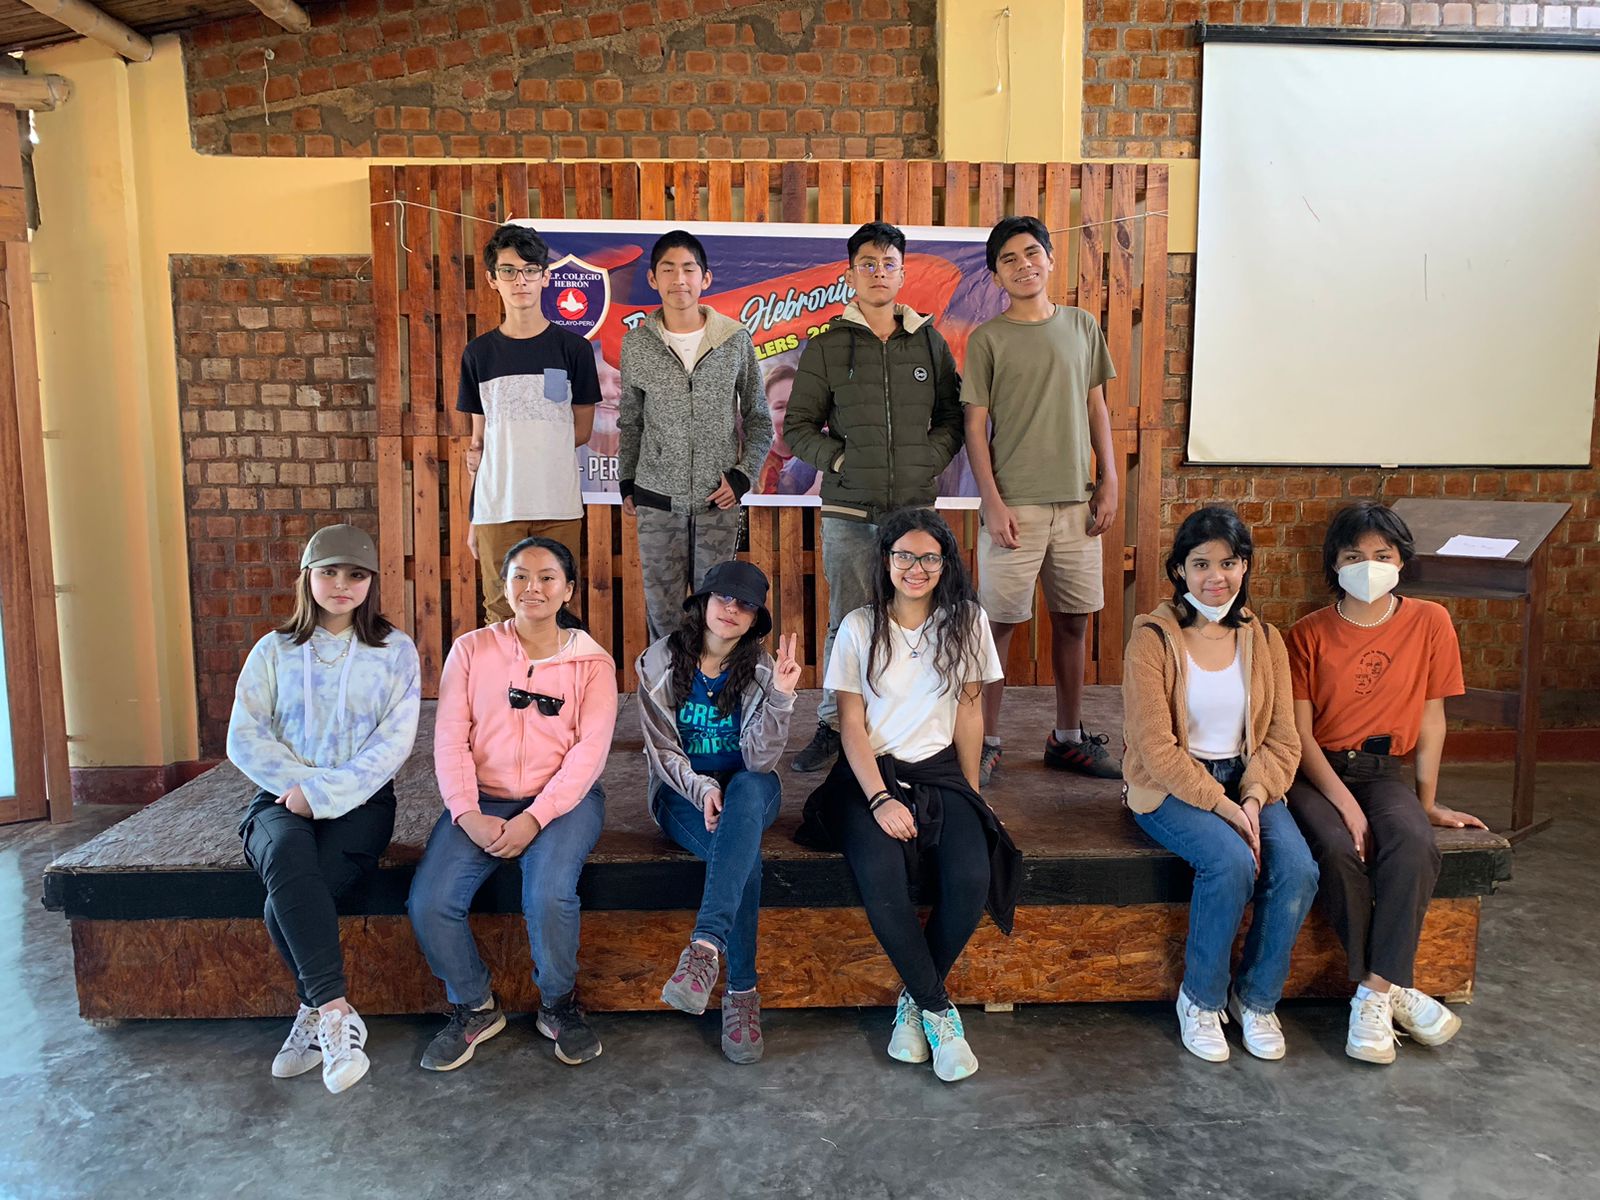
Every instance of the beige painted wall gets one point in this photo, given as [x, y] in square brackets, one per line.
[121, 190]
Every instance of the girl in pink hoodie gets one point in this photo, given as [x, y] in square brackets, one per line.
[526, 711]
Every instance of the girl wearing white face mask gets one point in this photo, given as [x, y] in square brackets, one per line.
[1371, 673]
[1211, 750]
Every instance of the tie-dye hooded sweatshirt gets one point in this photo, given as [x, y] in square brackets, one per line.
[340, 731]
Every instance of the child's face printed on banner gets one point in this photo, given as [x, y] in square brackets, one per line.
[876, 273]
[519, 292]
[679, 280]
[1022, 268]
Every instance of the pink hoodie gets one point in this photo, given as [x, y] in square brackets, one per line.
[481, 743]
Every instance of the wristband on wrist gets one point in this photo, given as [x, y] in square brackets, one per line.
[879, 799]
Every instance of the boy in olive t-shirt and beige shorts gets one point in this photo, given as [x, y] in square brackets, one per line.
[1034, 400]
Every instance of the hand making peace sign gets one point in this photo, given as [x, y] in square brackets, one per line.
[786, 670]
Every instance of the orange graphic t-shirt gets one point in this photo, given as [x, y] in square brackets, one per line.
[1368, 682]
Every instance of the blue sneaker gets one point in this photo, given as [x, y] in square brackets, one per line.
[908, 1044]
[952, 1057]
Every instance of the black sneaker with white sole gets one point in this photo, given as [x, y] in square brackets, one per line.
[454, 1044]
[819, 752]
[564, 1024]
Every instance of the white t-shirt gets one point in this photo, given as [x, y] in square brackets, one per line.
[1216, 703]
[685, 345]
[910, 717]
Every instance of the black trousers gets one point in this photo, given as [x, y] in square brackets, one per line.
[1375, 907]
[960, 862]
[308, 866]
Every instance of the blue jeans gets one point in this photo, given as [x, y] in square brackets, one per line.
[730, 906]
[1225, 881]
[452, 870]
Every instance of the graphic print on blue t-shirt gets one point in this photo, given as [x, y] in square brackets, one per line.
[709, 739]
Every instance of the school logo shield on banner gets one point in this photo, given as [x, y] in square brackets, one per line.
[577, 295]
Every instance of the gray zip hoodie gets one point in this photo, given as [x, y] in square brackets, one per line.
[680, 430]
[763, 726]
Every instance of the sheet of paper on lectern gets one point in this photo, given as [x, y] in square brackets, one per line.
[1464, 545]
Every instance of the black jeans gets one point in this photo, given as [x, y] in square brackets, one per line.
[923, 957]
[308, 866]
[1375, 907]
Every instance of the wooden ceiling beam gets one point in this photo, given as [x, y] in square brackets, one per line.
[85, 18]
[286, 13]
[34, 91]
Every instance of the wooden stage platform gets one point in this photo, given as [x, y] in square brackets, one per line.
[166, 916]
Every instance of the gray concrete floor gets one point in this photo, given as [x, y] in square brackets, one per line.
[1082, 1101]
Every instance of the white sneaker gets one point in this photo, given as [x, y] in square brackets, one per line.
[1201, 1029]
[908, 1044]
[300, 1050]
[1423, 1017]
[344, 1061]
[1262, 1034]
[953, 1059]
[1371, 1037]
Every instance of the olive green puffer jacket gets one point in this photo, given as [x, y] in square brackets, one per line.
[879, 419]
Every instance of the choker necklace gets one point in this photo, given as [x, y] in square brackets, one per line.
[1389, 612]
[337, 659]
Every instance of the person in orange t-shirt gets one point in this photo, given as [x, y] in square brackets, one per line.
[1370, 675]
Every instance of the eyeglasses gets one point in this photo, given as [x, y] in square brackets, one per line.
[507, 272]
[549, 706]
[742, 605]
[873, 267]
[905, 560]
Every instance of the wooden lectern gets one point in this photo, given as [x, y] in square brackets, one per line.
[1520, 575]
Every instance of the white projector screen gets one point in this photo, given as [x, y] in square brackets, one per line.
[1398, 258]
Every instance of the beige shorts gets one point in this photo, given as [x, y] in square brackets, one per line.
[1055, 549]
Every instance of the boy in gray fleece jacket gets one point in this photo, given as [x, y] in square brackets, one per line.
[691, 386]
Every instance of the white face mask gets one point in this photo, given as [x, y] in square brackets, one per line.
[1369, 581]
[1211, 612]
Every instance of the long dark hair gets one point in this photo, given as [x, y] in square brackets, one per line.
[371, 626]
[953, 608]
[565, 617]
[1213, 523]
[686, 644]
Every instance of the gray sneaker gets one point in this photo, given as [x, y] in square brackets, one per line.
[1087, 757]
[987, 762]
[741, 1027]
[455, 1043]
[819, 752]
[689, 989]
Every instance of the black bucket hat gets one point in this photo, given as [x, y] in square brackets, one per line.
[743, 581]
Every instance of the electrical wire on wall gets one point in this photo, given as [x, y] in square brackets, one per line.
[1002, 67]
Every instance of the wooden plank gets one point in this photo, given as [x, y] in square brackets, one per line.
[1091, 241]
[514, 195]
[686, 191]
[635, 633]
[425, 582]
[1025, 199]
[757, 191]
[1153, 302]
[18, 297]
[458, 562]
[957, 194]
[719, 190]
[919, 193]
[392, 512]
[586, 189]
[601, 590]
[895, 178]
[552, 191]
[486, 208]
[991, 193]
[624, 191]
[790, 585]
[793, 200]
[17, 613]
[423, 411]
[1113, 543]
[1147, 575]
[1119, 299]
[653, 191]
[452, 285]
[384, 182]
[830, 193]
[1057, 219]
[819, 595]
[863, 191]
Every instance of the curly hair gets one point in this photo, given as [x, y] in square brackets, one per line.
[953, 609]
[687, 643]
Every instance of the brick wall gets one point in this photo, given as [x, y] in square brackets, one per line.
[1141, 70]
[1288, 510]
[276, 408]
[545, 79]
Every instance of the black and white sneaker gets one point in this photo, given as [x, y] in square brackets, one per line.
[563, 1023]
[454, 1044]
[819, 752]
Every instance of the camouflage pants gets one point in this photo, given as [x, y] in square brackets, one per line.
[670, 546]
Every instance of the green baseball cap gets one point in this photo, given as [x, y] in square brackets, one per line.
[335, 544]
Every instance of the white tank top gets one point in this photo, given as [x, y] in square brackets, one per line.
[1216, 701]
